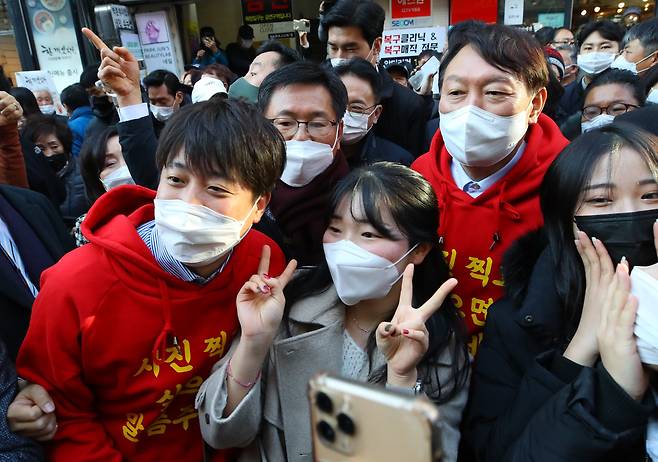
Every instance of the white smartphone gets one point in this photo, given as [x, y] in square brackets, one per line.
[430, 67]
[301, 25]
[353, 421]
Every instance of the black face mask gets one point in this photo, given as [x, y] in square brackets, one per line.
[627, 235]
[58, 161]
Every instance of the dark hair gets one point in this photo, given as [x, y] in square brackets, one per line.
[545, 35]
[220, 71]
[245, 31]
[647, 33]
[618, 77]
[413, 205]
[207, 31]
[89, 75]
[560, 195]
[225, 138]
[92, 161]
[162, 77]
[75, 96]
[195, 75]
[363, 70]
[39, 125]
[607, 29]
[456, 32]
[505, 48]
[367, 15]
[304, 73]
[286, 54]
[27, 100]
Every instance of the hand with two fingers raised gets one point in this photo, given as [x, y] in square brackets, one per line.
[404, 340]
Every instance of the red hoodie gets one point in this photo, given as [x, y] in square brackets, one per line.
[477, 231]
[101, 339]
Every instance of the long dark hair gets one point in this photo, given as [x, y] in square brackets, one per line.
[561, 194]
[92, 162]
[411, 201]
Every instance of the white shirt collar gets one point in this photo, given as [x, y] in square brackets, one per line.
[461, 178]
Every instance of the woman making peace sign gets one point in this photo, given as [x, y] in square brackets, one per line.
[354, 315]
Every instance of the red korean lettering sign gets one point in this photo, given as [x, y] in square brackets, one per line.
[401, 9]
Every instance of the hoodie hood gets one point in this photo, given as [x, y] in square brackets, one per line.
[476, 231]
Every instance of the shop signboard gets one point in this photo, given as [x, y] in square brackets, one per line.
[157, 46]
[55, 40]
[270, 19]
[403, 43]
[551, 19]
[411, 13]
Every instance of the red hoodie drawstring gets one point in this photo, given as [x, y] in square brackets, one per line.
[162, 342]
[443, 208]
[500, 206]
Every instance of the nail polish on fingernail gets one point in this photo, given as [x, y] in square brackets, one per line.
[405, 331]
[265, 289]
[49, 407]
[594, 240]
[267, 276]
[387, 328]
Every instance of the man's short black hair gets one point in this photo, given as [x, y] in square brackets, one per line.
[607, 29]
[647, 33]
[74, 96]
[40, 125]
[89, 76]
[160, 77]
[367, 15]
[286, 54]
[362, 69]
[619, 77]
[506, 48]
[207, 31]
[228, 139]
[304, 73]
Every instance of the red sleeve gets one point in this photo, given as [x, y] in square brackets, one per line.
[12, 164]
[51, 357]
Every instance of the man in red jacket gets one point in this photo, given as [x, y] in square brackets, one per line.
[126, 328]
[487, 160]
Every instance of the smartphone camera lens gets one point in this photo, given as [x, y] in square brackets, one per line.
[326, 431]
[346, 424]
[324, 402]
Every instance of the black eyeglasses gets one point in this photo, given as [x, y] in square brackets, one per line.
[318, 128]
[614, 109]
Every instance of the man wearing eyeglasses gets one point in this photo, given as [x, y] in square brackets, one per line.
[306, 103]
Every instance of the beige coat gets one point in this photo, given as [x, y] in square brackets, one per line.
[273, 420]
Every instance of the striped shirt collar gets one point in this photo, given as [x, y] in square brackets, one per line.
[149, 235]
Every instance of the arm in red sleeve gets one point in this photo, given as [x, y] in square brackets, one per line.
[51, 357]
[12, 164]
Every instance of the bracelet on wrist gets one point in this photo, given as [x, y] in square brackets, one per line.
[246, 385]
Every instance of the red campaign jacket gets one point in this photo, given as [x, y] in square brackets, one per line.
[477, 231]
[101, 339]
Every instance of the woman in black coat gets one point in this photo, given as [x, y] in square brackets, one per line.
[551, 381]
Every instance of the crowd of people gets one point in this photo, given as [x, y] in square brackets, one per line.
[182, 254]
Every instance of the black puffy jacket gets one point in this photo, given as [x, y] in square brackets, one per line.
[528, 402]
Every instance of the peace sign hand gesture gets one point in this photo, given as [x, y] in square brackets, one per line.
[119, 70]
[405, 339]
[260, 302]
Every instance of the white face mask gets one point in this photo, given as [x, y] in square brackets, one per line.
[478, 138]
[246, 43]
[47, 109]
[358, 274]
[162, 113]
[355, 127]
[335, 62]
[196, 235]
[595, 62]
[599, 121]
[622, 63]
[305, 160]
[653, 96]
[118, 177]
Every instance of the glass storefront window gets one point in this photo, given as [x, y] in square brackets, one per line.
[626, 12]
[554, 13]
